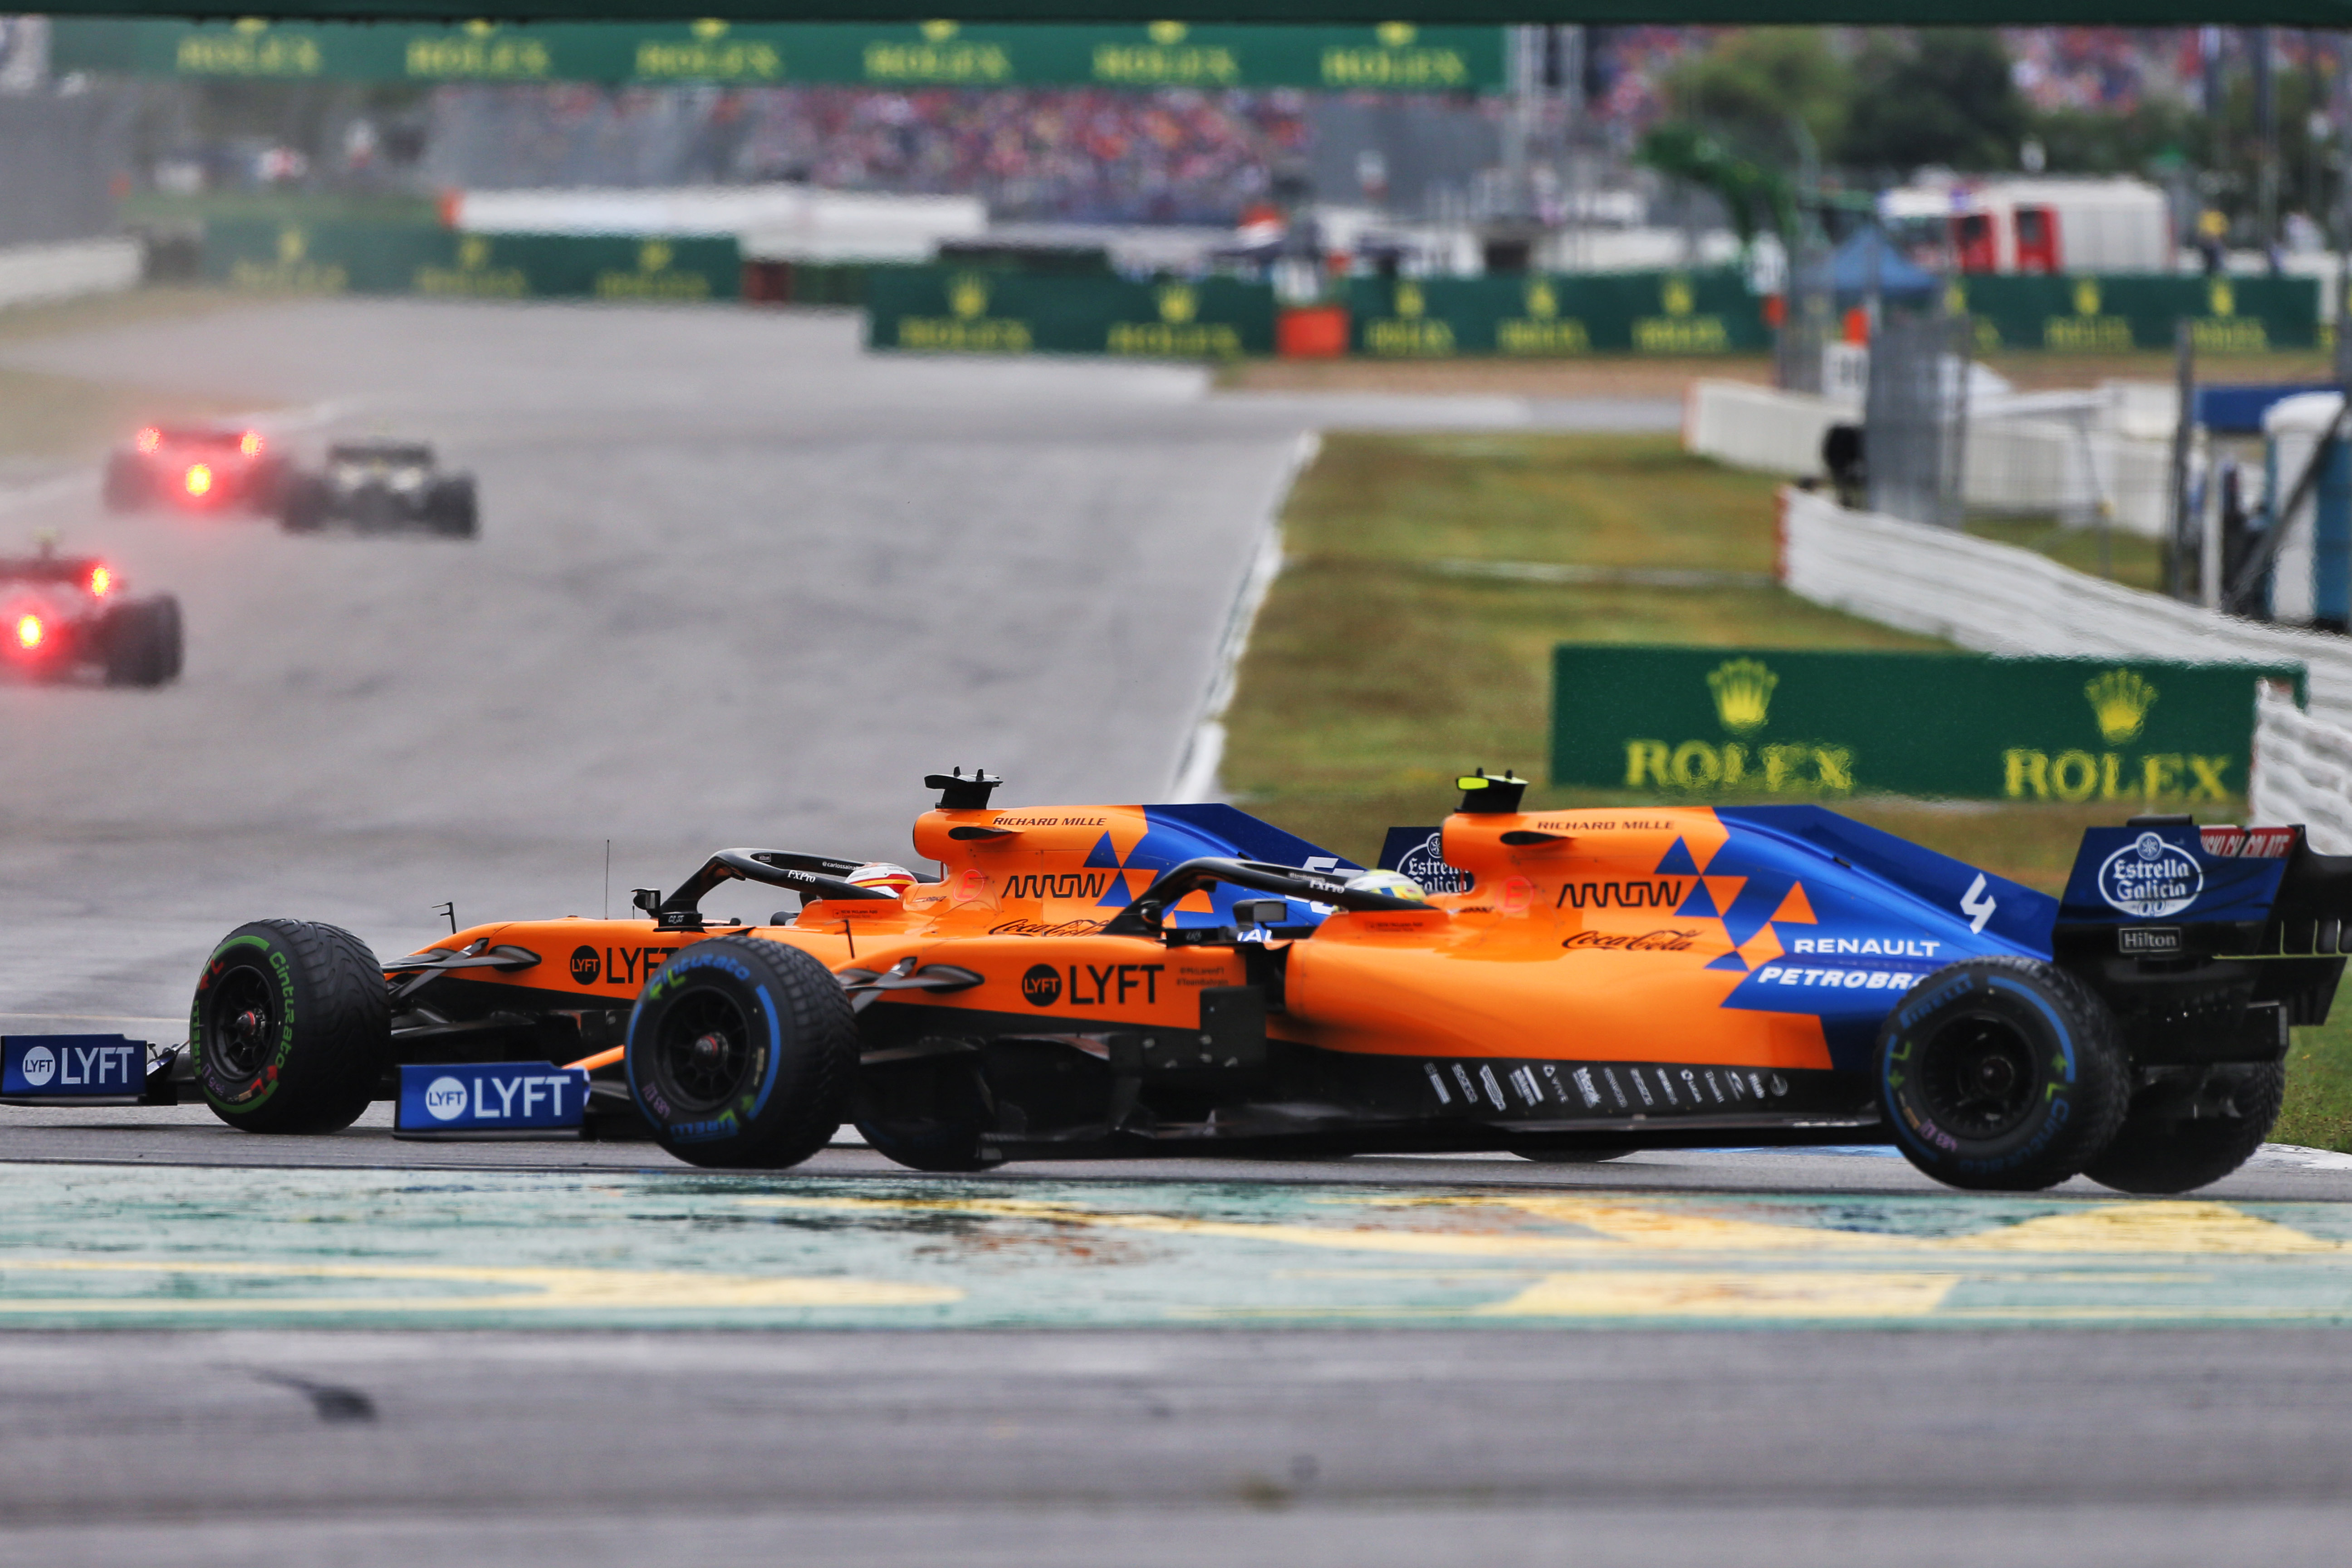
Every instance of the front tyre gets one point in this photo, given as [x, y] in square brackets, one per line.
[2001, 1075]
[742, 1052]
[2191, 1128]
[290, 1031]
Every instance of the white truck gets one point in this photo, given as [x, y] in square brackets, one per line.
[2035, 224]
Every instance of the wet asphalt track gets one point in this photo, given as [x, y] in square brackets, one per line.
[737, 584]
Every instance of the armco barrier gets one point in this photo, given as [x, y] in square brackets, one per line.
[33, 272]
[401, 259]
[2008, 464]
[1557, 315]
[2117, 313]
[1760, 427]
[1997, 599]
[2302, 773]
[945, 310]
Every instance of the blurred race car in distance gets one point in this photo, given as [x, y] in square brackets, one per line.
[61, 614]
[196, 468]
[381, 485]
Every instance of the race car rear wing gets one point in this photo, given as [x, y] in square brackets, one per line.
[2163, 885]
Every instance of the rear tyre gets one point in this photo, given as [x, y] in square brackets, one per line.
[928, 1115]
[140, 642]
[126, 486]
[290, 1031]
[304, 508]
[2001, 1075]
[742, 1052]
[450, 512]
[2183, 1132]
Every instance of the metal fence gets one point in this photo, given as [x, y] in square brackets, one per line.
[1914, 418]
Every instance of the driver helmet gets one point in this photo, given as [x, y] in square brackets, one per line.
[892, 880]
[1394, 884]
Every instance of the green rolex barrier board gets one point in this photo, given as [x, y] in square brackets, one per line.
[404, 258]
[1695, 724]
[942, 309]
[2116, 313]
[1395, 56]
[1549, 315]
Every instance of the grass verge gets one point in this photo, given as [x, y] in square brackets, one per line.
[1381, 667]
[44, 416]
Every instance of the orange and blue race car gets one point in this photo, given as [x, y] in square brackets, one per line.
[1108, 980]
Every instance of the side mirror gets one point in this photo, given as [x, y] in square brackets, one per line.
[1261, 911]
[646, 898]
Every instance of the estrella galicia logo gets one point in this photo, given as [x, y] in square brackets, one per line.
[1042, 985]
[1425, 864]
[2150, 879]
[587, 967]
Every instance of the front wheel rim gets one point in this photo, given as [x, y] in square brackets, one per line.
[242, 1021]
[702, 1050]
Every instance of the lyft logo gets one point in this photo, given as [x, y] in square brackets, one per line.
[528, 1096]
[69, 1066]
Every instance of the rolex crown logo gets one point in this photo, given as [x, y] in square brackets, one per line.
[2120, 701]
[473, 253]
[1409, 301]
[1396, 35]
[1178, 303]
[708, 28]
[653, 256]
[2221, 298]
[1956, 299]
[291, 245]
[939, 32]
[1675, 295]
[480, 27]
[2086, 296]
[1743, 694]
[968, 295]
[1542, 303]
[1166, 33]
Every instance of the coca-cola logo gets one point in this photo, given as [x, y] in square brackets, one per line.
[1664, 940]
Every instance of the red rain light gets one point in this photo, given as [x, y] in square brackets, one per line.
[251, 445]
[29, 632]
[101, 581]
[147, 439]
[200, 479]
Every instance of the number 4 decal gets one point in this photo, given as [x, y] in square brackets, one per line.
[1978, 904]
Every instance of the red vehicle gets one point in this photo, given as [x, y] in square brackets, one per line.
[197, 468]
[62, 614]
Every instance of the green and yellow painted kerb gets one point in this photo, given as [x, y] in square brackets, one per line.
[94, 1246]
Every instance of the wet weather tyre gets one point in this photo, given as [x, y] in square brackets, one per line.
[2001, 1075]
[742, 1052]
[141, 642]
[2179, 1136]
[290, 1031]
[450, 512]
[303, 507]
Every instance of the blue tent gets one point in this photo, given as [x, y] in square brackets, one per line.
[1898, 278]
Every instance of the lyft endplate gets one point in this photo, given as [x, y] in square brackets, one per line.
[72, 1069]
[491, 1099]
